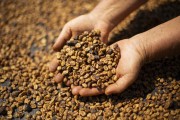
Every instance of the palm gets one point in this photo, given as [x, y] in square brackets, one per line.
[127, 71]
[128, 67]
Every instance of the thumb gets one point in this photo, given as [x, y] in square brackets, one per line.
[122, 83]
[104, 36]
[105, 30]
[63, 37]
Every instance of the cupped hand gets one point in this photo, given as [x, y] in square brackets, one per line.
[75, 27]
[80, 24]
[127, 70]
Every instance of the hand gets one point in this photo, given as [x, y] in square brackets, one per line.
[127, 70]
[146, 46]
[80, 24]
[128, 67]
[75, 27]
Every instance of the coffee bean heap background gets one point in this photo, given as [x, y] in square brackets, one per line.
[29, 29]
[86, 61]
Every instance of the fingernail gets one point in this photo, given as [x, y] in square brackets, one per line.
[53, 47]
[107, 92]
[74, 92]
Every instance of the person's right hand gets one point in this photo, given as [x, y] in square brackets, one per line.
[80, 24]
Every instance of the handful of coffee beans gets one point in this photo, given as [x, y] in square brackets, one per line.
[86, 61]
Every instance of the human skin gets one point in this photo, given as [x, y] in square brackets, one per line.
[160, 41]
[137, 50]
[104, 17]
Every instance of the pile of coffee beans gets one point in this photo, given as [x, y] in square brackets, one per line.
[28, 31]
[86, 61]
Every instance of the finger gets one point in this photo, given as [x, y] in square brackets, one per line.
[104, 36]
[116, 46]
[76, 89]
[120, 85]
[58, 78]
[90, 92]
[63, 37]
[53, 65]
[119, 67]
[105, 30]
[68, 83]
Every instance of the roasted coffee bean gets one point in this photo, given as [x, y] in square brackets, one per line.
[71, 42]
[27, 108]
[10, 89]
[26, 48]
[96, 57]
[76, 37]
[78, 45]
[15, 93]
[110, 51]
[95, 52]
[3, 110]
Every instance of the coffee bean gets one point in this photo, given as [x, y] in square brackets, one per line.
[72, 42]
[26, 48]
[27, 108]
[3, 110]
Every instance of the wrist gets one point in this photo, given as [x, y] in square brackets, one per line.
[160, 41]
[107, 11]
[140, 48]
[114, 11]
